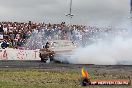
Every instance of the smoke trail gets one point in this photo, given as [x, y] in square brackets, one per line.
[119, 51]
[113, 50]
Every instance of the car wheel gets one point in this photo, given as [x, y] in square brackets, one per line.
[51, 58]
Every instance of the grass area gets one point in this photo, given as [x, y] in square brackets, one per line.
[39, 78]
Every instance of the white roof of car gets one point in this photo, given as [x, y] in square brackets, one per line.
[63, 45]
[61, 41]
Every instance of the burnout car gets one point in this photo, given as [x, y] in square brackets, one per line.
[58, 50]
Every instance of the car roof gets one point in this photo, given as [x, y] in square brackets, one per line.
[61, 41]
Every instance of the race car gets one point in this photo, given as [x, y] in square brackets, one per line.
[58, 49]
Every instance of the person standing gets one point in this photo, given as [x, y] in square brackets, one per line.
[1, 32]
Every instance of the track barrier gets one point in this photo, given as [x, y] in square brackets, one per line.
[16, 54]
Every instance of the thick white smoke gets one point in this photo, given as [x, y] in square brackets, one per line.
[115, 50]
[118, 51]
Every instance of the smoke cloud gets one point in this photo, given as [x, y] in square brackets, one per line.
[119, 51]
[111, 50]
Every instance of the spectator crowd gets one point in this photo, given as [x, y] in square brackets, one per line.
[17, 34]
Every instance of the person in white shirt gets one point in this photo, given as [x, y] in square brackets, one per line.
[5, 29]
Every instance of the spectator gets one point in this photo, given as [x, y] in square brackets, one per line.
[1, 29]
[1, 32]
[18, 33]
[4, 45]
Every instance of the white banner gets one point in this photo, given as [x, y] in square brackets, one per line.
[15, 54]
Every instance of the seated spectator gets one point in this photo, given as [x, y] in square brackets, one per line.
[4, 45]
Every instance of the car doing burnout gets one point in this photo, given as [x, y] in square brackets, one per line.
[58, 50]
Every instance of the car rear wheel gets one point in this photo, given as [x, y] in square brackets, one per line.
[43, 59]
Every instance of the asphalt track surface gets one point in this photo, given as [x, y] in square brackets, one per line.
[34, 64]
[42, 65]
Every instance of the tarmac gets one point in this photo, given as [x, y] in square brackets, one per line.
[122, 69]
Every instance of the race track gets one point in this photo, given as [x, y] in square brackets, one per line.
[34, 64]
[59, 66]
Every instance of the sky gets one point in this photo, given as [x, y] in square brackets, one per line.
[54, 11]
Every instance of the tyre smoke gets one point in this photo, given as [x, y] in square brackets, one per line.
[113, 49]
[119, 51]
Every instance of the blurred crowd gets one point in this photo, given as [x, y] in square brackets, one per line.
[17, 34]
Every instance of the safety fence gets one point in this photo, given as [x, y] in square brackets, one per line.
[16, 54]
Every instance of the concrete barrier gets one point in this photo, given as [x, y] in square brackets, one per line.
[16, 54]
